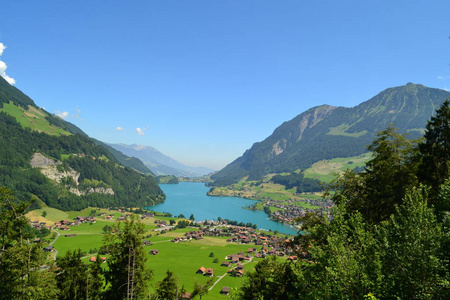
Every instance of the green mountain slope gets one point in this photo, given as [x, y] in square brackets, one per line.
[327, 132]
[44, 157]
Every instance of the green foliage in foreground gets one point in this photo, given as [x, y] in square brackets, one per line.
[402, 258]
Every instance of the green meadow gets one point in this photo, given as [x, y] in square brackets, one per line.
[32, 118]
[182, 258]
[325, 170]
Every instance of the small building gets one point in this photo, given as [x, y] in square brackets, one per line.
[154, 252]
[225, 264]
[49, 249]
[201, 270]
[225, 290]
[209, 272]
[93, 259]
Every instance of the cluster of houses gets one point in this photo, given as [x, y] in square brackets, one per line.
[289, 210]
[65, 224]
[39, 225]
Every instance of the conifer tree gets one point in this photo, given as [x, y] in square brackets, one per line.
[20, 260]
[73, 276]
[434, 151]
[127, 273]
[168, 288]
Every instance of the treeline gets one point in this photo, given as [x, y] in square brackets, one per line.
[302, 184]
[96, 164]
[389, 234]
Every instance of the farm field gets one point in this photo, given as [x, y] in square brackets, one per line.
[182, 258]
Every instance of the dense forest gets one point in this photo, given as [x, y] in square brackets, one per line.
[302, 184]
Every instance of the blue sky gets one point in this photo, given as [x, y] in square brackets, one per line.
[204, 80]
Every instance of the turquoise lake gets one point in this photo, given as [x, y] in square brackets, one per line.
[190, 198]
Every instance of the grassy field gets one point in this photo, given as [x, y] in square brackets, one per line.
[183, 258]
[325, 170]
[32, 118]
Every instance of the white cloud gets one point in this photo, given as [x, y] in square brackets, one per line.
[443, 77]
[118, 128]
[62, 114]
[140, 131]
[3, 67]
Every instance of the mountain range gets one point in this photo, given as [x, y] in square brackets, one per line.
[326, 132]
[159, 163]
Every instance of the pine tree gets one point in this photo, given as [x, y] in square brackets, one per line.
[168, 288]
[127, 275]
[73, 276]
[20, 260]
[434, 151]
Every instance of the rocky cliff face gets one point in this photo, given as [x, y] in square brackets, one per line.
[49, 168]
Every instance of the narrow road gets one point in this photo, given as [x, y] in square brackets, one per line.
[220, 278]
[51, 244]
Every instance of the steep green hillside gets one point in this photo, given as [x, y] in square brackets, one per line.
[44, 157]
[327, 132]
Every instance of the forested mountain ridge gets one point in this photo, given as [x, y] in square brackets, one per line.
[27, 130]
[326, 132]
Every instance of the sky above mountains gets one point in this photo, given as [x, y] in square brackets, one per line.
[201, 81]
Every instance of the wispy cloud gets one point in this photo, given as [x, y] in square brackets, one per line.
[443, 77]
[118, 128]
[68, 115]
[3, 67]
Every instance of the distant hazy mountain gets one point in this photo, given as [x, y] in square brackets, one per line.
[327, 132]
[159, 163]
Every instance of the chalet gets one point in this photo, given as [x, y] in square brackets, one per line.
[148, 215]
[239, 273]
[186, 296]
[146, 243]
[225, 264]
[201, 270]
[209, 272]
[93, 259]
[154, 252]
[103, 259]
[239, 267]
[36, 240]
[225, 290]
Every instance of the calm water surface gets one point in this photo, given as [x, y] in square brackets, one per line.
[190, 198]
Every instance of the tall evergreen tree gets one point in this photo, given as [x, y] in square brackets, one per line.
[168, 288]
[383, 184]
[127, 275]
[20, 260]
[434, 151]
[73, 276]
